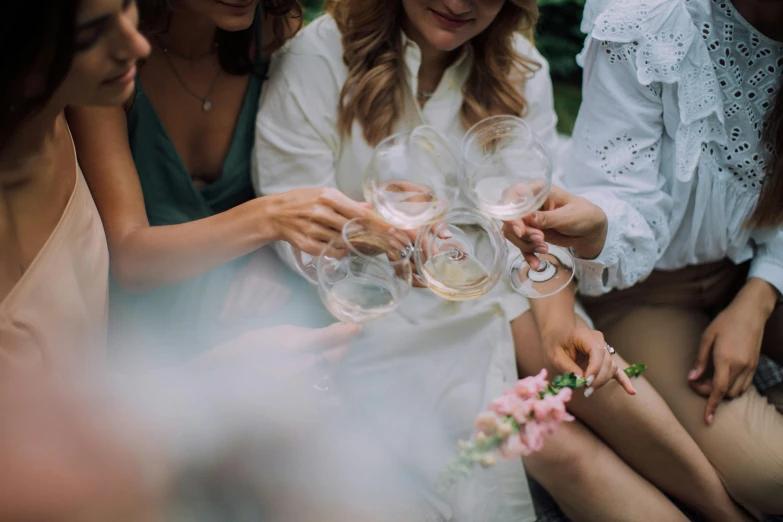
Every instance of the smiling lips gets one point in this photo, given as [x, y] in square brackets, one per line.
[449, 22]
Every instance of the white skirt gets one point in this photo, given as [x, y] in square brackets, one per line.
[421, 375]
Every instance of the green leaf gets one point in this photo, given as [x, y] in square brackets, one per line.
[635, 370]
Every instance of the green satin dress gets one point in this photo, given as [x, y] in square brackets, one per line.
[175, 323]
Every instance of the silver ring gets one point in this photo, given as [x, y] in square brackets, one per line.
[610, 349]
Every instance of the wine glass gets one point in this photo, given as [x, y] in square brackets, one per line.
[366, 272]
[461, 256]
[412, 178]
[508, 175]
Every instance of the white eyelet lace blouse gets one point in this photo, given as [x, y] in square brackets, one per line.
[667, 141]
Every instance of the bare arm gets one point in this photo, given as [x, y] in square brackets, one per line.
[145, 257]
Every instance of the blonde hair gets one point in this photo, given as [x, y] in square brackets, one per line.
[372, 51]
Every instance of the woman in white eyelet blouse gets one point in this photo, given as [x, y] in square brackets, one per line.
[668, 143]
[426, 370]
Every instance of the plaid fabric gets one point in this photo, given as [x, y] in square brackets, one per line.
[768, 374]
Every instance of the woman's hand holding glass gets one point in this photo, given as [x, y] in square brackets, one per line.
[508, 175]
[309, 218]
[564, 220]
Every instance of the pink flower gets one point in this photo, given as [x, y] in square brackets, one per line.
[552, 407]
[486, 423]
[511, 405]
[514, 447]
[532, 436]
[530, 387]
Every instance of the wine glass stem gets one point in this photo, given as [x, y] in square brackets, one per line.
[543, 264]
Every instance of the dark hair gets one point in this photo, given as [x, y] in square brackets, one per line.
[769, 209]
[39, 42]
[233, 46]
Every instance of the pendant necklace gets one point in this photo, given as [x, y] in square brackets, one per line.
[206, 102]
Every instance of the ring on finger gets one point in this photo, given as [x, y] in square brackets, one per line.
[609, 348]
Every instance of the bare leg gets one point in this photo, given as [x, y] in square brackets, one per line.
[643, 431]
[591, 483]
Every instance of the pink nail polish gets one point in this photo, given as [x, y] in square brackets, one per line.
[710, 418]
[692, 374]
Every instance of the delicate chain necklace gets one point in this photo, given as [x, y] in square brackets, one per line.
[206, 103]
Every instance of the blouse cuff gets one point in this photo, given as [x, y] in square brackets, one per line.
[770, 270]
[593, 274]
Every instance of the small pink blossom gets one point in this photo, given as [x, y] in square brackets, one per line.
[532, 436]
[530, 387]
[514, 447]
[487, 423]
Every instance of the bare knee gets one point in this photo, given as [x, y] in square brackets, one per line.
[567, 456]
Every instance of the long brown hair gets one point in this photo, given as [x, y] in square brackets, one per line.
[233, 47]
[769, 209]
[372, 50]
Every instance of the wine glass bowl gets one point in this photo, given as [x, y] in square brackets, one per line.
[366, 272]
[504, 162]
[461, 256]
[412, 178]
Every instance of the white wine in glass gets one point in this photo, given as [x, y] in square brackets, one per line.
[366, 272]
[508, 175]
[412, 178]
[460, 257]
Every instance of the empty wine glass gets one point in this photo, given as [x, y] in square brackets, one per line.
[412, 178]
[461, 256]
[508, 175]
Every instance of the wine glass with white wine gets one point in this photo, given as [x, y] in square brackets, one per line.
[508, 175]
[412, 178]
[366, 272]
[461, 256]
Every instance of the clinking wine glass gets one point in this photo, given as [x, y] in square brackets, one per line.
[508, 175]
[461, 256]
[365, 272]
[412, 178]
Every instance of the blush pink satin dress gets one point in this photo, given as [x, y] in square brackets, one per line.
[56, 315]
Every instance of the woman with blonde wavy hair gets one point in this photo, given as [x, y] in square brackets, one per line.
[367, 70]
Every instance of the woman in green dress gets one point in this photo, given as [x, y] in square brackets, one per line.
[171, 178]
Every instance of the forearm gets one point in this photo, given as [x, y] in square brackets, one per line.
[555, 314]
[146, 258]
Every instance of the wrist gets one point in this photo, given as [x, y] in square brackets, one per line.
[264, 217]
[759, 295]
[592, 245]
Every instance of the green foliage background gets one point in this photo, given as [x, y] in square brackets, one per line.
[558, 38]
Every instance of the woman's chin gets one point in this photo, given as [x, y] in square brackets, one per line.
[235, 24]
[446, 42]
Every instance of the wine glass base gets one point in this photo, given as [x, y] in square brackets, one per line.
[557, 273]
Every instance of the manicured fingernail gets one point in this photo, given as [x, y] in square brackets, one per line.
[710, 417]
[537, 238]
[590, 380]
[692, 374]
[517, 230]
[589, 391]
[541, 250]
